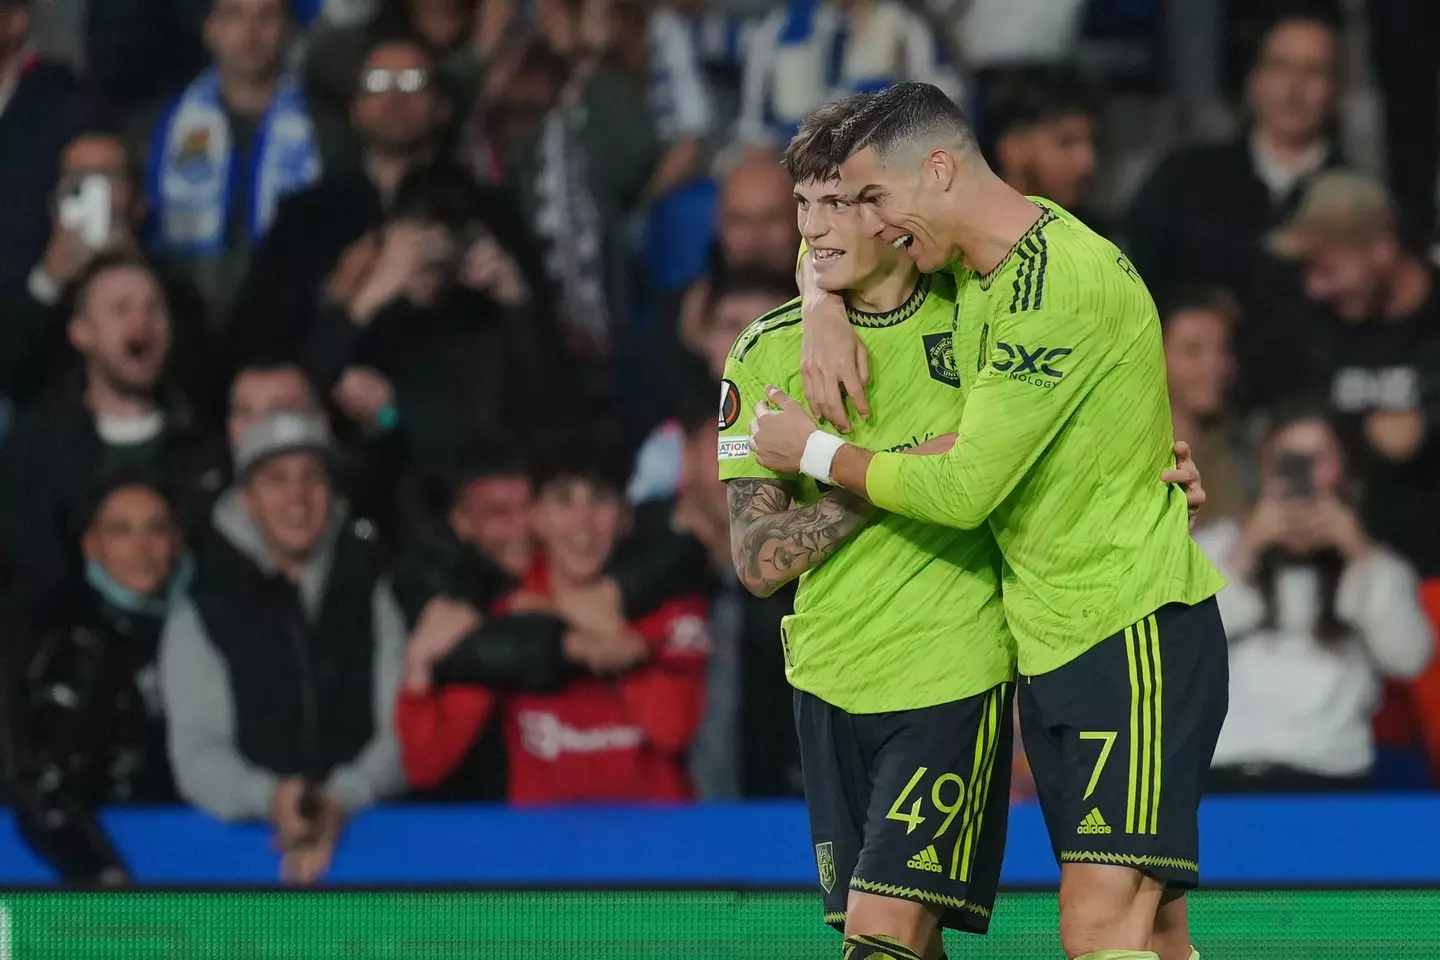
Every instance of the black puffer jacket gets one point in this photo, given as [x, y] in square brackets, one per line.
[90, 732]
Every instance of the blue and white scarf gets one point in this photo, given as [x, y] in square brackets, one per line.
[194, 167]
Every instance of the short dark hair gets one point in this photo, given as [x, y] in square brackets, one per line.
[699, 407]
[1030, 96]
[1199, 297]
[442, 192]
[899, 116]
[811, 154]
[97, 268]
[107, 483]
[594, 452]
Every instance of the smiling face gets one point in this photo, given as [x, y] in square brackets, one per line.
[844, 247]
[896, 202]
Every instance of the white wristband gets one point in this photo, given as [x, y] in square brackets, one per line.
[820, 450]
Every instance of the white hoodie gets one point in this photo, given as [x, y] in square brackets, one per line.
[1294, 700]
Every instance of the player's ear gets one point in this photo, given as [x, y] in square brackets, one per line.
[941, 168]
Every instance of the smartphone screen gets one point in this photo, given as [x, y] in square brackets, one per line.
[85, 208]
[1297, 471]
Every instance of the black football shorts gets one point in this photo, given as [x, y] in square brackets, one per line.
[1120, 741]
[910, 804]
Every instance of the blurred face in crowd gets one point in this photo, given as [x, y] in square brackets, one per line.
[1053, 159]
[578, 522]
[104, 156]
[248, 38]
[492, 514]
[757, 221]
[559, 22]
[846, 256]
[258, 393]
[288, 498]
[1198, 360]
[14, 27]
[134, 537]
[1316, 443]
[1293, 87]
[729, 316]
[122, 328]
[396, 109]
[1352, 278]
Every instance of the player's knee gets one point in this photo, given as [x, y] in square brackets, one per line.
[910, 925]
[1104, 907]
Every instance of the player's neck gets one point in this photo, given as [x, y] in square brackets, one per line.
[990, 217]
[885, 292]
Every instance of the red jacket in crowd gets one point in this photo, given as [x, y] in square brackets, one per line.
[621, 739]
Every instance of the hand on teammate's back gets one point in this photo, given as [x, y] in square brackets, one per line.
[1187, 475]
[834, 364]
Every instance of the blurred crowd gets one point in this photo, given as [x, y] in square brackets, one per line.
[359, 363]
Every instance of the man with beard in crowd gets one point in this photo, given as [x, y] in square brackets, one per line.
[397, 111]
[117, 413]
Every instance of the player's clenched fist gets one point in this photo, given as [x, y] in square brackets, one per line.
[778, 436]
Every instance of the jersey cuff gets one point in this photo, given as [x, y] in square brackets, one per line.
[882, 480]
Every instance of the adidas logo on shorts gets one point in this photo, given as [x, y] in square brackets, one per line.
[926, 860]
[1093, 823]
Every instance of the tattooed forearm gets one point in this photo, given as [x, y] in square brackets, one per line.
[772, 541]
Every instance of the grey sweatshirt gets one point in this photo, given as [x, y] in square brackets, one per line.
[210, 771]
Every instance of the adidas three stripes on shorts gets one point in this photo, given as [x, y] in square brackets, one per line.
[1120, 741]
[911, 804]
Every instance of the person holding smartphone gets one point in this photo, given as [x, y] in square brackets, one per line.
[1318, 614]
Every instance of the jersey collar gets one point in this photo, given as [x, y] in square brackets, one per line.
[900, 314]
[1046, 216]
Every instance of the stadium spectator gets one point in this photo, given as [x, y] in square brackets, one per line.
[1374, 350]
[737, 300]
[616, 725]
[666, 59]
[34, 332]
[431, 326]
[805, 54]
[1200, 216]
[464, 35]
[220, 157]
[1198, 325]
[119, 411]
[398, 114]
[134, 51]
[41, 110]
[1040, 126]
[94, 728]
[746, 744]
[570, 133]
[1317, 613]
[368, 465]
[280, 673]
[755, 228]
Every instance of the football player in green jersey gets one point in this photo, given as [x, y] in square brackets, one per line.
[898, 650]
[1121, 652]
